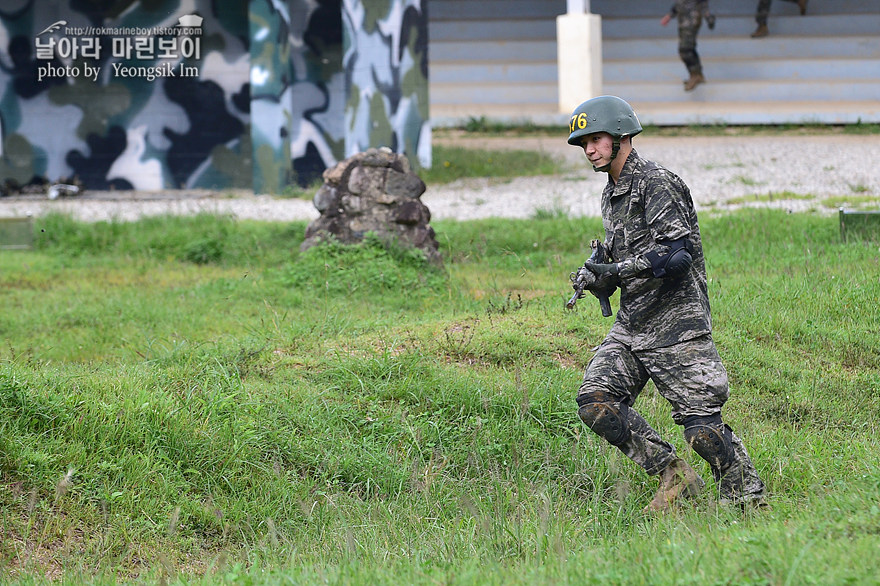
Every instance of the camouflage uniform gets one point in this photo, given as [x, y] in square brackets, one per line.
[663, 327]
[764, 10]
[690, 17]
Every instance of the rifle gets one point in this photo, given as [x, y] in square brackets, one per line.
[599, 255]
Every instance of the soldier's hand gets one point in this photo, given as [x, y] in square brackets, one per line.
[603, 289]
[583, 278]
[602, 269]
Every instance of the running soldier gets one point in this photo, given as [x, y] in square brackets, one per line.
[663, 329]
[690, 16]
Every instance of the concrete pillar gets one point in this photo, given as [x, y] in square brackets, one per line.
[579, 55]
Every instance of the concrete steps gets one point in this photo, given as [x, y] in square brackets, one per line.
[740, 26]
[494, 59]
[637, 8]
[497, 59]
[749, 50]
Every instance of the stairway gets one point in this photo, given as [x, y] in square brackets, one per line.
[497, 59]
[494, 59]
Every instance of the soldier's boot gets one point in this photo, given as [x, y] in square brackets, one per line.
[802, 4]
[693, 81]
[677, 480]
[761, 31]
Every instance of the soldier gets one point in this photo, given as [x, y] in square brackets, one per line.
[690, 15]
[762, 12]
[663, 329]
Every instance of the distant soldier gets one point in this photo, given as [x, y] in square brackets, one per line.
[764, 10]
[690, 15]
[663, 330]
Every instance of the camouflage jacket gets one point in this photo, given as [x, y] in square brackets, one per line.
[688, 6]
[648, 206]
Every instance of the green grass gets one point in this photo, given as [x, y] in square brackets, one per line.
[859, 202]
[768, 197]
[451, 163]
[193, 400]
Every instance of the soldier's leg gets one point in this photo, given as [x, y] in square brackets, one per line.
[731, 465]
[802, 4]
[762, 11]
[612, 381]
[688, 27]
[693, 379]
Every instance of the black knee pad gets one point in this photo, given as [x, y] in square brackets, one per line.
[605, 416]
[712, 440]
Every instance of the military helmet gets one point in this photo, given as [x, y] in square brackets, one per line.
[603, 114]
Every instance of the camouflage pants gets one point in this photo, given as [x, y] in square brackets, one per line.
[688, 26]
[764, 10]
[691, 377]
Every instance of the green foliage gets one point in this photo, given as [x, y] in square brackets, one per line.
[352, 414]
[482, 125]
[201, 239]
[772, 196]
[451, 163]
[858, 202]
[372, 267]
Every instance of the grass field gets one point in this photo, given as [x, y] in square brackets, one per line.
[193, 400]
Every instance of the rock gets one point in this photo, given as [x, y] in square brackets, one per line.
[373, 191]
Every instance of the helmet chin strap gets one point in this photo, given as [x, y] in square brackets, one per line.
[615, 147]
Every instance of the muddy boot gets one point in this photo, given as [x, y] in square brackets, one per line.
[694, 80]
[802, 4]
[676, 480]
[761, 31]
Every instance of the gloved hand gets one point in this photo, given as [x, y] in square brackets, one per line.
[582, 278]
[600, 269]
[606, 278]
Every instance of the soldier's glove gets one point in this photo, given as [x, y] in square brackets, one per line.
[599, 284]
[602, 269]
[583, 278]
[606, 277]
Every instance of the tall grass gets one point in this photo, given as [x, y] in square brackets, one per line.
[196, 401]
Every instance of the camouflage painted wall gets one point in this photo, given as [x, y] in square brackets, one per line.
[360, 69]
[386, 69]
[119, 94]
[318, 134]
[270, 95]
